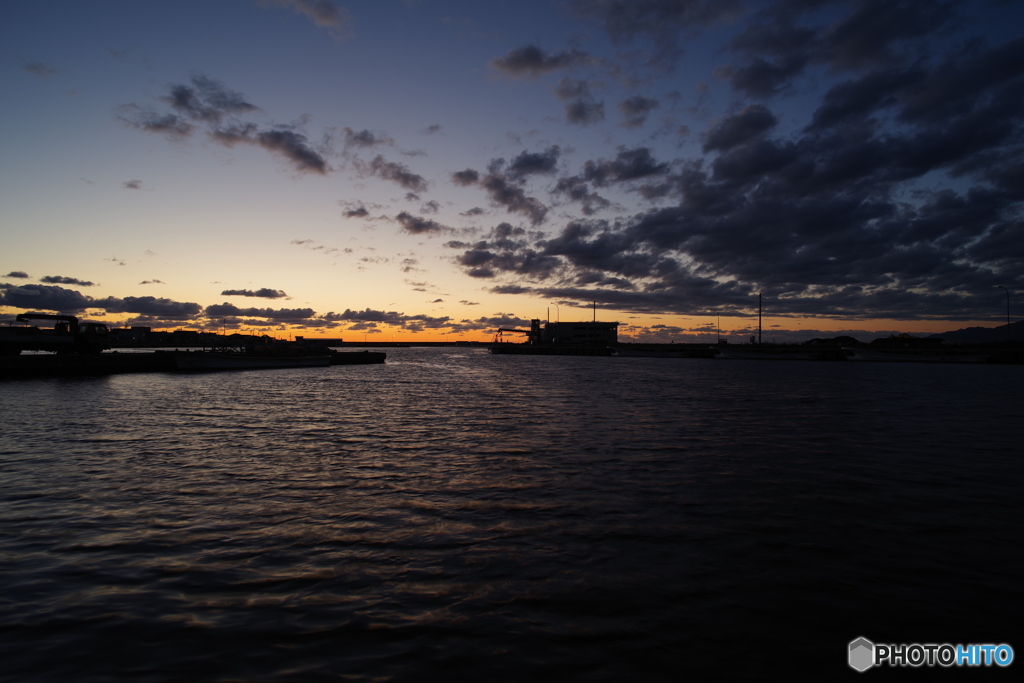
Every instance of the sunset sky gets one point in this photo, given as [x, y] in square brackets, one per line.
[426, 168]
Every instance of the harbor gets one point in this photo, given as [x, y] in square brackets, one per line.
[458, 515]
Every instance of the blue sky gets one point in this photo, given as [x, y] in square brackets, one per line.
[416, 169]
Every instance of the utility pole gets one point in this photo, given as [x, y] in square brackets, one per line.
[1008, 337]
[759, 318]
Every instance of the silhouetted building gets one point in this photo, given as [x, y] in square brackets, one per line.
[574, 333]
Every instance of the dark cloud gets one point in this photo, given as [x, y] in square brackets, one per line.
[577, 190]
[505, 251]
[781, 44]
[40, 70]
[43, 298]
[272, 314]
[397, 173]
[636, 109]
[733, 130]
[365, 138]
[67, 301]
[60, 280]
[152, 282]
[262, 293]
[580, 106]
[18, 274]
[666, 23]
[531, 163]
[323, 13]
[531, 61]
[467, 177]
[294, 147]
[876, 29]
[504, 191]
[831, 220]
[284, 141]
[420, 322]
[369, 320]
[594, 250]
[581, 112]
[358, 212]
[863, 95]
[416, 225]
[628, 164]
[209, 102]
[206, 100]
[132, 184]
[149, 305]
[367, 315]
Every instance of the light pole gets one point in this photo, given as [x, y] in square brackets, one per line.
[1007, 311]
[558, 312]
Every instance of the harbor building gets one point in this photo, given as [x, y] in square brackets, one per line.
[546, 333]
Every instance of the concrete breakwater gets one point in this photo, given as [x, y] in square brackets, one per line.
[46, 364]
[49, 364]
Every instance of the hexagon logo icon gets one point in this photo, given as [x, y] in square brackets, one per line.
[862, 654]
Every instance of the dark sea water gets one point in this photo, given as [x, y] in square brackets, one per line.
[458, 516]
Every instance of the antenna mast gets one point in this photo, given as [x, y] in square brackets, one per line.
[759, 318]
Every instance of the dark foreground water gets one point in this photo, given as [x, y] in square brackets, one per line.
[453, 515]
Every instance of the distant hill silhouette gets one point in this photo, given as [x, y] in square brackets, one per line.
[984, 334]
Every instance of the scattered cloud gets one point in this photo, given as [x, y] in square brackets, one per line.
[225, 310]
[323, 13]
[663, 24]
[208, 102]
[68, 301]
[365, 138]
[417, 225]
[636, 109]
[531, 61]
[60, 280]
[583, 113]
[263, 293]
[315, 246]
[396, 173]
[40, 70]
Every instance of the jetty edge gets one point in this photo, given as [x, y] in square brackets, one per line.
[109, 363]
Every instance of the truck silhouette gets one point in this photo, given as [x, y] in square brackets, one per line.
[67, 336]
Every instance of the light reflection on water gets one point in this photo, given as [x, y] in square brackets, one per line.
[459, 515]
